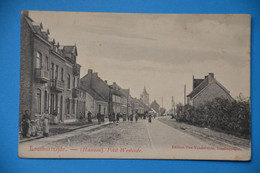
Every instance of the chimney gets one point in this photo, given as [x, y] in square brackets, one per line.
[90, 71]
[210, 77]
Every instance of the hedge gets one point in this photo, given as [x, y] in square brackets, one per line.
[232, 117]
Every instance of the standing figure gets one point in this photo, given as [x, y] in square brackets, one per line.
[99, 117]
[117, 117]
[110, 117]
[26, 123]
[131, 118]
[136, 117]
[46, 119]
[102, 118]
[149, 118]
[113, 117]
[89, 117]
[124, 116]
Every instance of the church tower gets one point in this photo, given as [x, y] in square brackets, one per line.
[145, 97]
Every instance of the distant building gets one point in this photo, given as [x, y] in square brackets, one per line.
[124, 94]
[155, 106]
[207, 89]
[97, 93]
[145, 97]
[95, 103]
[137, 105]
[49, 74]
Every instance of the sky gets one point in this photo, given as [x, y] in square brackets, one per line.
[159, 51]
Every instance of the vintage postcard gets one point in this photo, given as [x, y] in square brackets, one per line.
[140, 86]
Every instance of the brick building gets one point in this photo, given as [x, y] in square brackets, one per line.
[98, 93]
[50, 74]
[207, 89]
[95, 103]
[124, 95]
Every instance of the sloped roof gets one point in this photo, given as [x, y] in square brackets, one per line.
[70, 49]
[201, 86]
[196, 82]
[93, 93]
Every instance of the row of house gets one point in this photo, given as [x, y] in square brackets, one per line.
[105, 98]
[50, 80]
[50, 75]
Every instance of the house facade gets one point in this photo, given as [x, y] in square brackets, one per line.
[207, 89]
[50, 74]
[124, 95]
[95, 103]
[97, 93]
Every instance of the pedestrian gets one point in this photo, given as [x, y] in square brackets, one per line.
[26, 123]
[149, 118]
[131, 118]
[99, 117]
[46, 119]
[89, 117]
[110, 117]
[113, 117]
[136, 117]
[124, 116]
[103, 118]
[117, 117]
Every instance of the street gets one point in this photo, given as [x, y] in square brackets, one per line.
[141, 137]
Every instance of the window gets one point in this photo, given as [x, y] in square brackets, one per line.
[73, 106]
[45, 102]
[46, 63]
[61, 76]
[57, 72]
[68, 78]
[38, 101]
[38, 60]
[52, 103]
[68, 106]
[52, 71]
[74, 81]
[99, 108]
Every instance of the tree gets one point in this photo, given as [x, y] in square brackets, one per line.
[162, 110]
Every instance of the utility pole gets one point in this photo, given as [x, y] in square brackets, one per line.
[173, 105]
[162, 101]
[184, 94]
[184, 101]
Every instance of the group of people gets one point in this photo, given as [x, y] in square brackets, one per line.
[34, 127]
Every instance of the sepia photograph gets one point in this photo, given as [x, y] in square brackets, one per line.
[135, 86]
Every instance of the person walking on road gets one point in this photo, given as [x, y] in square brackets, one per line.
[114, 117]
[89, 117]
[99, 117]
[150, 118]
[117, 117]
[124, 116]
[136, 117]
